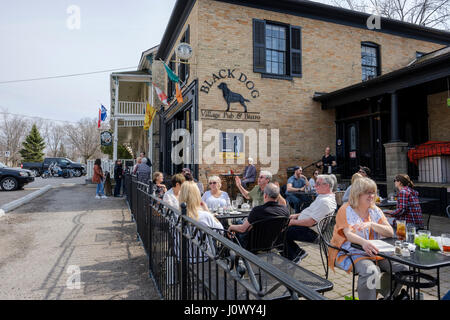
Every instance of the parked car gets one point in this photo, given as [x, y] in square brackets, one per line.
[39, 167]
[13, 179]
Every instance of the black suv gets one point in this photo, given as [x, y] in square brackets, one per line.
[13, 179]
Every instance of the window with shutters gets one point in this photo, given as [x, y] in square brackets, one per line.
[276, 49]
[370, 60]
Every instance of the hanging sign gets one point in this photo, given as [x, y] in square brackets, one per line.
[106, 138]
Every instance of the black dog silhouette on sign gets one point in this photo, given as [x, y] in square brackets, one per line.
[231, 97]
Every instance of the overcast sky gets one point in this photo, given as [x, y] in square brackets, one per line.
[37, 42]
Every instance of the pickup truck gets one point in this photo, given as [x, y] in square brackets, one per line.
[13, 179]
[39, 167]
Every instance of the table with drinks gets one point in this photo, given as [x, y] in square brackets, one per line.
[420, 251]
[236, 209]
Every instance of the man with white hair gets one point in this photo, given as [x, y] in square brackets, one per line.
[249, 174]
[302, 226]
[270, 208]
[257, 193]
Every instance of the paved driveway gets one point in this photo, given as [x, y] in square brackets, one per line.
[66, 233]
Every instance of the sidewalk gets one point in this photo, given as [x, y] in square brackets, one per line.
[45, 243]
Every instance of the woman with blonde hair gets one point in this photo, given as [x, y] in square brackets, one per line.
[359, 221]
[196, 209]
[215, 197]
[347, 192]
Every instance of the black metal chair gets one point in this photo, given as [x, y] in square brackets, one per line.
[268, 235]
[326, 227]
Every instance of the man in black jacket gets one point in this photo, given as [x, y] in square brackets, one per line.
[118, 175]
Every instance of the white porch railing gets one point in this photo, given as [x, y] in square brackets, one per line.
[127, 108]
[107, 165]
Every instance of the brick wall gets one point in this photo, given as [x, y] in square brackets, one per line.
[221, 37]
[438, 117]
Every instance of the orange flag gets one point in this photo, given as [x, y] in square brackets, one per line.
[178, 93]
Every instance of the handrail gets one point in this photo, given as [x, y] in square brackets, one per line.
[202, 237]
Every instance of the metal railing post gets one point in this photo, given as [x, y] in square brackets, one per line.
[184, 255]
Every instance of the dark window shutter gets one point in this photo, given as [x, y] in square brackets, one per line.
[259, 45]
[296, 51]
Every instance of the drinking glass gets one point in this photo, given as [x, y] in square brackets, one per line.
[410, 233]
[234, 205]
[445, 238]
[401, 229]
[424, 240]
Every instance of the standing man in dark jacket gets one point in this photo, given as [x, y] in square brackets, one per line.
[118, 175]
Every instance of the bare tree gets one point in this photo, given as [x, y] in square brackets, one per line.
[13, 130]
[54, 137]
[428, 13]
[85, 137]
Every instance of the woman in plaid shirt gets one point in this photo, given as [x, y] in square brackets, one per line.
[408, 207]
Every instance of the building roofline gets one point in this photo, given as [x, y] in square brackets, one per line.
[409, 76]
[308, 9]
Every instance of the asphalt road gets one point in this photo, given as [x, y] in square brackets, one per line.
[68, 245]
[8, 196]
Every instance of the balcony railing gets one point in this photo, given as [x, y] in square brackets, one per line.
[128, 108]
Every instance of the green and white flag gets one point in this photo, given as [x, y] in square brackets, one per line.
[172, 76]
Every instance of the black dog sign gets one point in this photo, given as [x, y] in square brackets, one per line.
[232, 97]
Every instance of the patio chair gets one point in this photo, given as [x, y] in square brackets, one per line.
[326, 227]
[448, 211]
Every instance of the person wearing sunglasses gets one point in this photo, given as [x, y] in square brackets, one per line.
[257, 193]
[214, 197]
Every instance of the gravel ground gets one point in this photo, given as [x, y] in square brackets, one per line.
[68, 229]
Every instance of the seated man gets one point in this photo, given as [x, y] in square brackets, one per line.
[249, 175]
[257, 193]
[298, 182]
[302, 226]
[270, 208]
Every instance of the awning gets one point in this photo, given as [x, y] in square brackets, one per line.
[429, 149]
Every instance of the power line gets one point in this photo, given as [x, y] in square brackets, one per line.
[65, 76]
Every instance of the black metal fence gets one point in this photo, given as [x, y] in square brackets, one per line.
[189, 260]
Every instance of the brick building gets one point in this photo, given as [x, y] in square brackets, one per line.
[298, 67]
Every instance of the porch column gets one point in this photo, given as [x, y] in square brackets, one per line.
[396, 151]
[116, 127]
[394, 117]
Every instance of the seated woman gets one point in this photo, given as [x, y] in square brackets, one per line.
[347, 191]
[358, 221]
[312, 181]
[171, 196]
[408, 207]
[159, 189]
[215, 197]
[196, 209]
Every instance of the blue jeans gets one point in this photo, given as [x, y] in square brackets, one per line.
[299, 233]
[100, 189]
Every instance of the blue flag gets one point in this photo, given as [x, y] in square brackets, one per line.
[104, 113]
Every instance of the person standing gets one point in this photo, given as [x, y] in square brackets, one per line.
[98, 177]
[118, 176]
[328, 162]
[148, 162]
